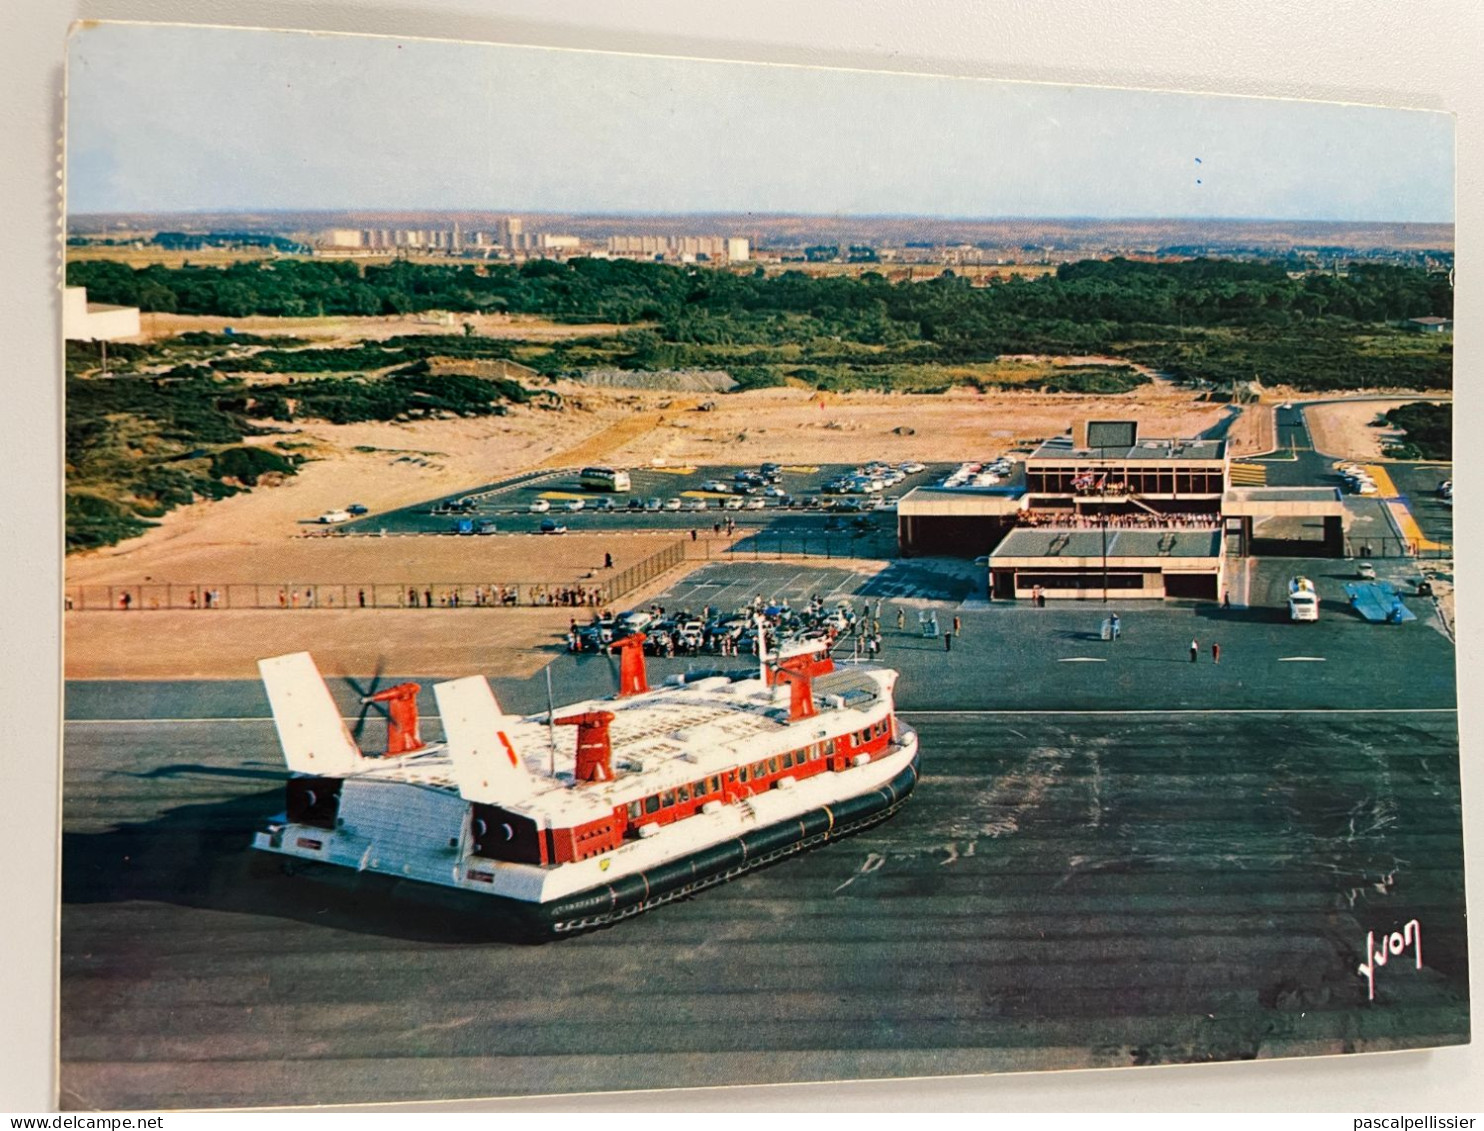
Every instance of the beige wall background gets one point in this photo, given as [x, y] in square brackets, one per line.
[1371, 51]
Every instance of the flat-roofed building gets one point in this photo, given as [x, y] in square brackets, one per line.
[1099, 511]
[84, 321]
[1115, 562]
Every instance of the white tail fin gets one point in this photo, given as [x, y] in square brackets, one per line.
[315, 738]
[484, 762]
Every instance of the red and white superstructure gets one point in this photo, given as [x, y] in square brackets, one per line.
[601, 808]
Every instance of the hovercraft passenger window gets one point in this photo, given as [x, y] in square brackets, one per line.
[772, 765]
[742, 773]
[667, 798]
[683, 793]
[713, 784]
[635, 808]
[652, 804]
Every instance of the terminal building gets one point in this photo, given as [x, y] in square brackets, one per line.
[1099, 512]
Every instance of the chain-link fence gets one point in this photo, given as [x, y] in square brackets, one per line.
[300, 595]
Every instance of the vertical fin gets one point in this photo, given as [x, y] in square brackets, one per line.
[485, 764]
[314, 737]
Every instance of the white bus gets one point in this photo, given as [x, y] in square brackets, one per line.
[1303, 601]
[604, 479]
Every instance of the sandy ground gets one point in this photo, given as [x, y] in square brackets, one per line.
[227, 644]
[390, 465]
[348, 330]
[267, 535]
[1344, 430]
[354, 560]
[798, 425]
[1255, 432]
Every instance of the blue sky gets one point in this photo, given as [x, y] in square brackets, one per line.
[175, 118]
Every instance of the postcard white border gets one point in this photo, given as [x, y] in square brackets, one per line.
[1367, 51]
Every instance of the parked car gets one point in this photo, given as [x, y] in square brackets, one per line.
[330, 517]
[653, 503]
[540, 506]
[695, 504]
[1365, 571]
[552, 526]
[756, 503]
[357, 509]
[673, 504]
[575, 505]
[732, 504]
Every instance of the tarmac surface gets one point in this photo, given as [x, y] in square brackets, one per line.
[1114, 857]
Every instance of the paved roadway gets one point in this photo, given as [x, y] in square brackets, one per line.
[1189, 880]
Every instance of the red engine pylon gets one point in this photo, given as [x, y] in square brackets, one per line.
[632, 677]
[801, 691]
[813, 664]
[402, 735]
[594, 750]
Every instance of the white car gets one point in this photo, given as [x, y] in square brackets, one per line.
[755, 504]
[695, 504]
[732, 504]
[912, 467]
[575, 505]
[333, 516]
[673, 504]
[540, 506]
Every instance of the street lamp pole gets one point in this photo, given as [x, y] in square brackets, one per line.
[1104, 512]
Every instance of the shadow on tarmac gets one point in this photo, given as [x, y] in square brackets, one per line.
[198, 856]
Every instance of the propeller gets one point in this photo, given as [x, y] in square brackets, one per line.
[364, 694]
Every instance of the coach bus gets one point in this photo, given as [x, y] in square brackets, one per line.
[604, 479]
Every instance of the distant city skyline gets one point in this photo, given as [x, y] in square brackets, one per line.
[180, 119]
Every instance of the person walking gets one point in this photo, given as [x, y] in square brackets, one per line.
[1195, 650]
[958, 626]
[1116, 625]
[1215, 653]
[901, 619]
[948, 642]
[1226, 599]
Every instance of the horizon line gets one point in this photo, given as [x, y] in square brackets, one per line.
[600, 213]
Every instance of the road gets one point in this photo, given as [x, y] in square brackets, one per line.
[1183, 867]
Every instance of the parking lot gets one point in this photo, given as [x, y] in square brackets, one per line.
[508, 505]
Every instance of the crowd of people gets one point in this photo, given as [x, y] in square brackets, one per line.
[716, 632]
[1071, 520]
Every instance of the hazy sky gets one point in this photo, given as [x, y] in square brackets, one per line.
[169, 118]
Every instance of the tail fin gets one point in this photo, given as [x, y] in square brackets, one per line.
[485, 764]
[314, 737]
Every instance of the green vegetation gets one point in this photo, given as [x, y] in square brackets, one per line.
[1201, 320]
[1428, 429]
[138, 447]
